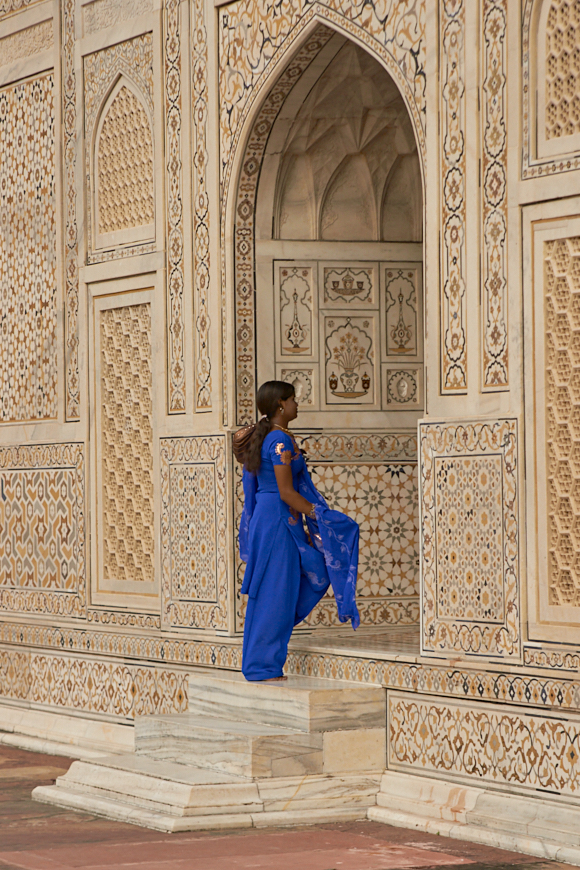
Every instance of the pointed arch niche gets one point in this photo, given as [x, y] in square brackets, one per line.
[338, 246]
[122, 176]
[328, 259]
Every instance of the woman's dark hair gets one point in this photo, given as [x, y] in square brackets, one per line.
[269, 396]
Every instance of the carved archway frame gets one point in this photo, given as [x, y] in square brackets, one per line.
[241, 176]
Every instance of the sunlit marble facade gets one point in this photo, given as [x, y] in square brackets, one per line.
[377, 201]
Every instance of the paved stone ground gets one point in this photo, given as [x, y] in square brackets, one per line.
[35, 836]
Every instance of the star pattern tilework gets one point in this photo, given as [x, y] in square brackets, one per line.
[383, 501]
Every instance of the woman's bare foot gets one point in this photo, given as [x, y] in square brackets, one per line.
[274, 680]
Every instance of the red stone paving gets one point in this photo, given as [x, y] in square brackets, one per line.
[35, 836]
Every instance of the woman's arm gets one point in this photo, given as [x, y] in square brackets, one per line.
[287, 492]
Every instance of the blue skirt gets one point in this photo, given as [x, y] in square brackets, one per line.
[280, 592]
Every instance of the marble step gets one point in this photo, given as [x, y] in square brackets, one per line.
[533, 823]
[302, 703]
[236, 747]
[157, 786]
[174, 797]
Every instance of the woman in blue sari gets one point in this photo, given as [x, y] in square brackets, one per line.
[289, 567]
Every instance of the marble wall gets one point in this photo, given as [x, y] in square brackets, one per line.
[154, 267]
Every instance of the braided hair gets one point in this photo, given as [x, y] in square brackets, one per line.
[269, 396]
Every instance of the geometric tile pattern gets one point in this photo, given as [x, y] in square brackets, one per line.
[71, 250]
[193, 539]
[42, 529]
[98, 687]
[453, 168]
[370, 478]
[383, 501]
[127, 444]
[562, 417]
[556, 63]
[125, 165]
[562, 88]
[28, 309]
[502, 747]
[194, 534]
[494, 196]
[470, 538]
[201, 216]
[133, 60]
[174, 197]
[248, 58]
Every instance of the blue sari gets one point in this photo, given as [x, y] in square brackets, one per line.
[288, 571]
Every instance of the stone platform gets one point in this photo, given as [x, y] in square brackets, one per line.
[244, 754]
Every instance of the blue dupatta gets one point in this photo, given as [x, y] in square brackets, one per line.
[333, 534]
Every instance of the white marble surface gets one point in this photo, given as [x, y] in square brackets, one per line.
[543, 827]
[345, 751]
[242, 748]
[301, 703]
[61, 734]
[145, 792]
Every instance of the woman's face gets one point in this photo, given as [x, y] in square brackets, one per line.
[290, 408]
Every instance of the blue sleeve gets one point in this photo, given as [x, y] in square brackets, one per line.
[281, 449]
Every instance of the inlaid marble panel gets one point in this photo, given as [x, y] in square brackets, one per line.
[303, 379]
[403, 387]
[28, 283]
[125, 165]
[172, 37]
[383, 501]
[453, 214]
[126, 447]
[194, 535]
[536, 689]
[562, 418]
[499, 746]
[42, 529]
[495, 362]
[296, 286]
[551, 87]
[128, 66]
[348, 286]
[94, 686]
[71, 236]
[469, 501]
[402, 295]
[349, 348]
[202, 217]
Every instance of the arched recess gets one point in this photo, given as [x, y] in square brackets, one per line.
[122, 170]
[352, 299]
[264, 125]
[554, 56]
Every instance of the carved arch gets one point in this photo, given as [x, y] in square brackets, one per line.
[551, 77]
[242, 174]
[122, 167]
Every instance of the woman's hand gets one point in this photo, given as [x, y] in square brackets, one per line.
[287, 492]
